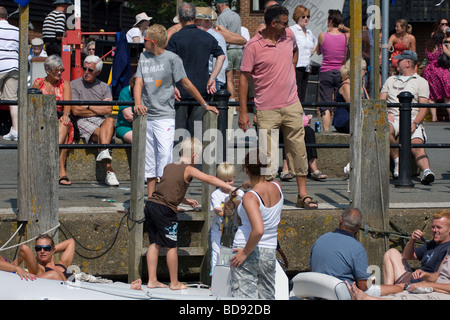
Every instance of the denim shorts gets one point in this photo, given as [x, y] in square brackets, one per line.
[255, 278]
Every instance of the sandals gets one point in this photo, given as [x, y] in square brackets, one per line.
[64, 178]
[286, 176]
[303, 203]
[318, 175]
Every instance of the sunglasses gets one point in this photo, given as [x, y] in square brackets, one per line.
[283, 23]
[46, 248]
[306, 17]
[88, 69]
[152, 41]
[444, 24]
[91, 49]
[60, 70]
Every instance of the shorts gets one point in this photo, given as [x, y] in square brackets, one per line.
[161, 224]
[159, 146]
[329, 84]
[122, 131]
[9, 84]
[88, 125]
[289, 119]
[418, 134]
[234, 59]
[255, 278]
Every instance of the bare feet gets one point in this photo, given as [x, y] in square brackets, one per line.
[136, 284]
[156, 284]
[177, 286]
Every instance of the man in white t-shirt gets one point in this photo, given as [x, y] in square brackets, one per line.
[408, 80]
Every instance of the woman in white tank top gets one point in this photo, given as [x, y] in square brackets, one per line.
[255, 242]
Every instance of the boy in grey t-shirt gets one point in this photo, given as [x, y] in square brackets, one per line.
[154, 91]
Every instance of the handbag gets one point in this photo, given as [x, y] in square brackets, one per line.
[443, 60]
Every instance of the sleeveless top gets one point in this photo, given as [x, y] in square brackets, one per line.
[172, 188]
[399, 47]
[270, 217]
[334, 49]
[59, 93]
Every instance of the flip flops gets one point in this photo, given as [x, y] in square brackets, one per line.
[303, 203]
[64, 178]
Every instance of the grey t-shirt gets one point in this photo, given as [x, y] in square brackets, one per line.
[160, 74]
[232, 21]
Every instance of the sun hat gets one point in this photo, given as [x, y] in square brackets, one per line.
[205, 13]
[141, 16]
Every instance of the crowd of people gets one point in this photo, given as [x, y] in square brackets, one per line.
[171, 69]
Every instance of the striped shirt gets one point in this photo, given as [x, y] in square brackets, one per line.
[9, 47]
[54, 25]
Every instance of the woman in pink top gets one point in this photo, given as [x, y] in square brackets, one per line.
[333, 46]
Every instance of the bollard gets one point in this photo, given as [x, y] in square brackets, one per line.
[222, 96]
[404, 172]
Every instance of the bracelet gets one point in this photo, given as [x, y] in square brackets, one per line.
[205, 105]
[417, 125]
[67, 114]
[212, 78]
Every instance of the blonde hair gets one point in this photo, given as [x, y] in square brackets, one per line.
[191, 146]
[345, 69]
[157, 33]
[405, 25]
[226, 171]
[299, 12]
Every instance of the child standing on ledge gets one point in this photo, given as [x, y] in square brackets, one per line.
[161, 210]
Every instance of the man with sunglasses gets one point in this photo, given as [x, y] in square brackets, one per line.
[43, 264]
[408, 80]
[276, 99]
[93, 121]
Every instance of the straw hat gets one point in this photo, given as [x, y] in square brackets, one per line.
[205, 13]
[37, 42]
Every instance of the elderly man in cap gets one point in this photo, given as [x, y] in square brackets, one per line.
[204, 21]
[136, 34]
[408, 80]
[37, 51]
[54, 27]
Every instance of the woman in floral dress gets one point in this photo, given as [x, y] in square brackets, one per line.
[438, 77]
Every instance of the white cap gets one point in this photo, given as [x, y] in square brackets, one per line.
[37, 42]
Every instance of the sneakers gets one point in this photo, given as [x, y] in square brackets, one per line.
[104, 156]
[111, 179]
[11, 136]
[427, 177]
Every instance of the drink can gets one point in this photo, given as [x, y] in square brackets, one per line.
[317, 127]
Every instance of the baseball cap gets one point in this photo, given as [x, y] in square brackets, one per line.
[220, 1]
[407, 54]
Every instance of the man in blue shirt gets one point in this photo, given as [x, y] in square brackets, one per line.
[339, 254]
[194, 47]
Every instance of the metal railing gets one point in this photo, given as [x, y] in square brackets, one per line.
[221, 102]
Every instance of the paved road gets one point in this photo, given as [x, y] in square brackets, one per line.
[92, 196]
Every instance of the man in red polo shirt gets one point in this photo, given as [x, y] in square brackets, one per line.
[268, 59]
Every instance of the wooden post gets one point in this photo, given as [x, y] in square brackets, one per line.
[137, 198]
[355, 101]
[23, 110]
[210, 143]
[374, 178]
[42, 161]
